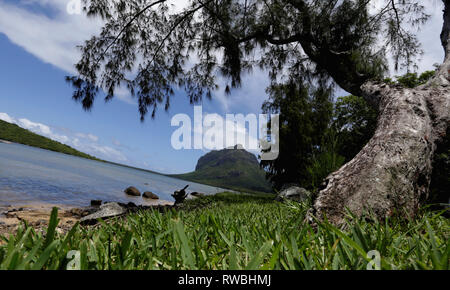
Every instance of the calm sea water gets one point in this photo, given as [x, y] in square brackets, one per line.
[29, 175]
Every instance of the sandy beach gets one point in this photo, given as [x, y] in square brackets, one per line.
[37, 215]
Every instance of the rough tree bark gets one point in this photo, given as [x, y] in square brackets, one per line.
[392, 172]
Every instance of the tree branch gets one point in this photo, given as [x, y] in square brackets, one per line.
[127, 25]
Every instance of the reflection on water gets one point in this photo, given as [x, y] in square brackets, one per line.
[30, 175]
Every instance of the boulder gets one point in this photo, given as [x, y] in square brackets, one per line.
[96, 202]
[80, 212]
[129, 205]
[150, 195]
[191, 197]
[107, 210]
[133, 191]
[294, 193]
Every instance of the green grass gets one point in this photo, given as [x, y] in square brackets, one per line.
[231, 231]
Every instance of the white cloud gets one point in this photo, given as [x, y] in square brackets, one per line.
[248, 98]
[124, 95]
[84, 142]
[91, 137]
[108, 151]
[5, 117]
[53, 40]
[35, 127]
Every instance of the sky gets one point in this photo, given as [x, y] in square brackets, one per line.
[38, 40]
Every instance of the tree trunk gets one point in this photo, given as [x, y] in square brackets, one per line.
[391, 174]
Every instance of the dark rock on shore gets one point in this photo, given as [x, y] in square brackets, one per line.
[81, 212]
[150, 195]
[129, 205]
[96, 202]
[133, 191]
[12, 212]
[195, 195]
[294, 193]
[107, 210]
[117, 209]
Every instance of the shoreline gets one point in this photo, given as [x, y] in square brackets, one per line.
[5, 141]
[40, 205]
[37, 215]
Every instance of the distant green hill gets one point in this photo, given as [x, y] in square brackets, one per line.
[13, 133]
[229, 168]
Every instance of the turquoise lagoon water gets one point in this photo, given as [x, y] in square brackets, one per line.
[29, 175]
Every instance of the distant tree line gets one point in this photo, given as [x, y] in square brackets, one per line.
[16, 134]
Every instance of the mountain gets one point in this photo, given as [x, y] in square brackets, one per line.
[13, 133]
[229, 168]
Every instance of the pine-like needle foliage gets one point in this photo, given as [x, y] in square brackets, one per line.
[152, 49]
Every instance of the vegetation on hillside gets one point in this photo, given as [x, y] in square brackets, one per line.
[230, 231]
[16, 134]
[234, 169]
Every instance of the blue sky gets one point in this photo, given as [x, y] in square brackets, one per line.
[37, 44]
